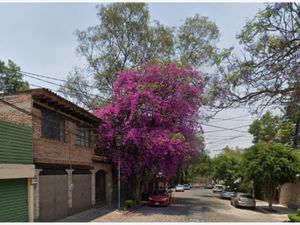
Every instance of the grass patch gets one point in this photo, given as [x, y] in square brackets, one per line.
[294, 217]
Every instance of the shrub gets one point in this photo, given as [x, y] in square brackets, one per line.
[294, 217]
[130, 203]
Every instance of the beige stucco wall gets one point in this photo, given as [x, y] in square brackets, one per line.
[290, 194]
[15, 171]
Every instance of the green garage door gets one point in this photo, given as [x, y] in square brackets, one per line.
[13, 200]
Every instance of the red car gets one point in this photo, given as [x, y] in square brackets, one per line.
[159, 198]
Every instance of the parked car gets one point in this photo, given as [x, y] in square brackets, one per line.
[243, 200]
[208, 186]
[227, 193]
[159, 198]
[179, 187]
[187, 186]
[217, 188]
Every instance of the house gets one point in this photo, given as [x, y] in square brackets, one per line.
[70, 176]
[16, 173]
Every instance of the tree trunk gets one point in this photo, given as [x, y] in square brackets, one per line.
[270, 204]
[270, 192]
[138, 188]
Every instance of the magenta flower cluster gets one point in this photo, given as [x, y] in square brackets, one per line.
[152, 121]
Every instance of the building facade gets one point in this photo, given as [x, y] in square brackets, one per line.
[16, 173]
[69, 176]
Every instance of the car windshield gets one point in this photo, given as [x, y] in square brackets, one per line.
[186, 185]
[160, 192]
[179, 185]
[246, 196]
[228, 190]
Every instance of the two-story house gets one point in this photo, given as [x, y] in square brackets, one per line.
[69, 176]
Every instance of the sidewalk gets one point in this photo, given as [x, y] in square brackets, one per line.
[279, 211]
[89, 214]
[102, 214]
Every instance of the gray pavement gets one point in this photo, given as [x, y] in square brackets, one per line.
[195, 205]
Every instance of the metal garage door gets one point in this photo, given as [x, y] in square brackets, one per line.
[81, 196]
[13, 200]
[53, 197]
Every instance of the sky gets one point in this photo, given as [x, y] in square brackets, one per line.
[39, 37]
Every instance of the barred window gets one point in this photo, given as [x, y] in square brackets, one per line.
[53, 125]
[83, 136]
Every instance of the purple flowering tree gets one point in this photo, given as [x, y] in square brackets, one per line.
[151, 124]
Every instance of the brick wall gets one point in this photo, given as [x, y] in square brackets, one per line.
[10, 114]
[54, 151]
[290, 194]
[46, 150]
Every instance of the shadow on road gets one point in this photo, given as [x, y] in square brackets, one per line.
[89, 215]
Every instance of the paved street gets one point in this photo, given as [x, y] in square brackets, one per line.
[196, 205]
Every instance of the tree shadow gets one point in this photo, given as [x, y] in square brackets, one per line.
[275, 210]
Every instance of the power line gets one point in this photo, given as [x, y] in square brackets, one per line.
[227, 139]
[231, 118]
[59, 85]
[225, 128]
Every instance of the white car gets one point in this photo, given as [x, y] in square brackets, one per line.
[217, 188]
[179, 187]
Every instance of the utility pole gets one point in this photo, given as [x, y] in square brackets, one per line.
[118, 144]
[119, 180]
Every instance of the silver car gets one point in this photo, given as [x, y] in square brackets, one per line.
[243, 200]
[187, 186]
[227, 194]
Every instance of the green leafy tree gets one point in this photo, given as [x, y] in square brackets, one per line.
[292, 118]
[10, 78]
[266, 128]
[270, 165]
[227, 166]
[124, 38]
[272, 128]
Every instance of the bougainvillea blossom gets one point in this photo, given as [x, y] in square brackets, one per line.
[152, 119]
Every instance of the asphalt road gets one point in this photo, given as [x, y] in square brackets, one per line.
[195, 205]
[200, 205]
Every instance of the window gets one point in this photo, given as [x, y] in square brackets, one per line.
[53, 125]
[83, 136]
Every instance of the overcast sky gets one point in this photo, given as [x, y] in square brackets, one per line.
[39, 37]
